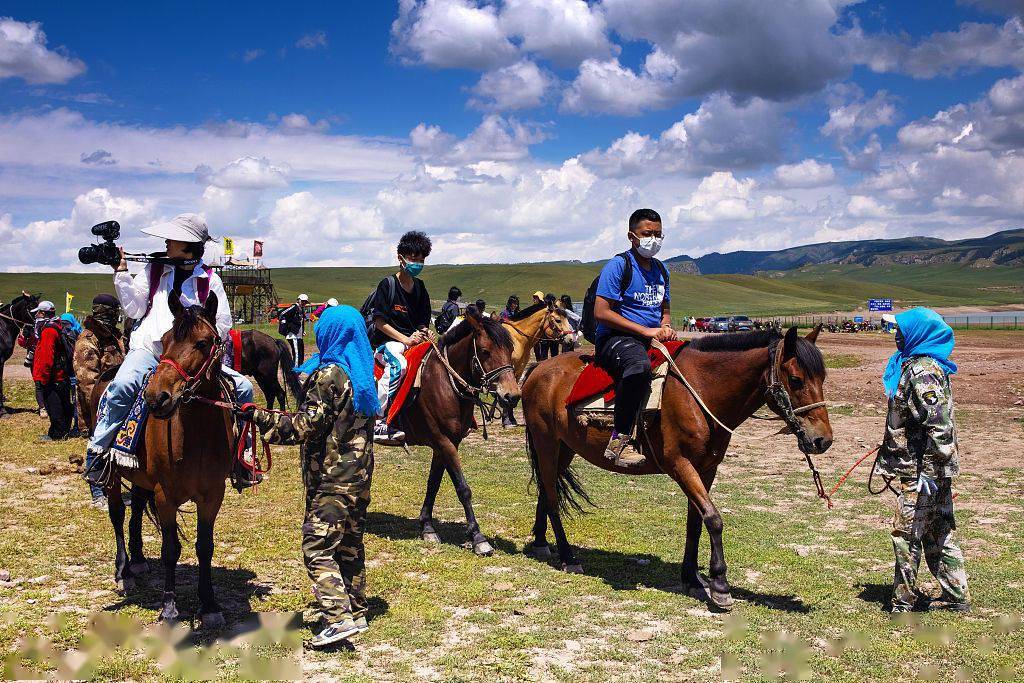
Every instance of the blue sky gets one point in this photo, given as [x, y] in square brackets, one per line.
[512, 129]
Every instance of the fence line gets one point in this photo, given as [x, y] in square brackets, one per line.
[962, 322]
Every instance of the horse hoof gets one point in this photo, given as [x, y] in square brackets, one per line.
[572, 568]
[722, 601]
[139, 568]
[212, 621]
[126, 585]
[539, 552]
[483, 549]
[431, 537]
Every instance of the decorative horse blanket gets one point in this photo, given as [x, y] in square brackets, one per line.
[126, 444]
[414, 358]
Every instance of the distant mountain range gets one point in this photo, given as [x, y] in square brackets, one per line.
[1004, 248]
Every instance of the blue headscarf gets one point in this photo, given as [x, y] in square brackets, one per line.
[72, 321]
[341, 337]
[925, 333]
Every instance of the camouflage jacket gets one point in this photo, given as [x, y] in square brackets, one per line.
[920, 430]
[96, 350]
[337, 442]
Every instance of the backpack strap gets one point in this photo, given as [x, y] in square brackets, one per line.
[627, 276]
[203, 284]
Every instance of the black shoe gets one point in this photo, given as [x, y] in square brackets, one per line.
[242, 477]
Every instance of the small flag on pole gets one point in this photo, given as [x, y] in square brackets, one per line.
[229, 246]
[68, 296]
[257, 249]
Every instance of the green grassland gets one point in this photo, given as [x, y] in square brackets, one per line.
[814, 289]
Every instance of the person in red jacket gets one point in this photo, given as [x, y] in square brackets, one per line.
[51, 372]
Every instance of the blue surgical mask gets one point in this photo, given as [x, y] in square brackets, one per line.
[413, 268]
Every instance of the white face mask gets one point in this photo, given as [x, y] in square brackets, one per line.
[648, 247]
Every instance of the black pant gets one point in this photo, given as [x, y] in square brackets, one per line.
[546, 348]
[57, 399]
[625, 358]
[298, 350]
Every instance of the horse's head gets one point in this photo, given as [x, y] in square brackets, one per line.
[800, 370]
[556, 323]
[21, 307]
[491, 364]
[191, 356]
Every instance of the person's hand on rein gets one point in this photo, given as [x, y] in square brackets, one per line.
[665, 333]
[245, 411]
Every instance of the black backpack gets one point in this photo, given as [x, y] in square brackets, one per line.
[367, 311]
[287, 323]
[446, 317]
[587, 322]
[64, 352]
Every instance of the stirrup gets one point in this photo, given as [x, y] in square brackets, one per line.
[102, 471]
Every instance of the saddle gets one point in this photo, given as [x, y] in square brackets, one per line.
[410, 385]
[592, 397]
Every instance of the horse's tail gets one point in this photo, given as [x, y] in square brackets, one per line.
[568, 490]
[287, 363]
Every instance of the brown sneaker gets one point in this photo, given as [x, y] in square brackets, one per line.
[623, 452]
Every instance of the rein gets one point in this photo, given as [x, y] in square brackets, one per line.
[470, 392]
[777, 393]
[192, 381]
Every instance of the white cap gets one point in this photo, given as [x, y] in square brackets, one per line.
[44, 306]
[889, 318]
[332, 302]
[303, 297]
[187, 227]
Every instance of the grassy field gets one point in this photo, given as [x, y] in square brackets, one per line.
[811, 290]
[811, 585]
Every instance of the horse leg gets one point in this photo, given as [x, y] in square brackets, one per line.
[481, 546]
[115, 509]
[549, 469]
[427, 531]
[137, 562]
[690, 481]
[266, 388]
[539, 547]
[693, 584]
[210, 615]
[170, 552]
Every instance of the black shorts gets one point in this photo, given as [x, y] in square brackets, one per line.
[623, 355]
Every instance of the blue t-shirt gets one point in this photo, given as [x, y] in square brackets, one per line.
[647, 290]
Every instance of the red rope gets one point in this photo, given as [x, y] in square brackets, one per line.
[248, 430]
[843, 478]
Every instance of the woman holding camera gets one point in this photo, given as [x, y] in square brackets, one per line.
[144, 298]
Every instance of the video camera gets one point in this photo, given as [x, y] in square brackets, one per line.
[108, 253]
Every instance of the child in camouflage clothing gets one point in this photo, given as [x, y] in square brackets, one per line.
[920, 451]
[335, 427]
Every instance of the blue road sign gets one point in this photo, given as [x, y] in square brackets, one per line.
[879, 304]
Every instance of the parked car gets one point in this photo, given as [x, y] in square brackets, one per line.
[703, 324]
[740, 323]
[718, 324]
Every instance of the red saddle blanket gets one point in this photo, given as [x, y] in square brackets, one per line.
[414, 357]
[236, 349]
[593, 380]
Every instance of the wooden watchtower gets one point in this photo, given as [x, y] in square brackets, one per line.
[249, 288]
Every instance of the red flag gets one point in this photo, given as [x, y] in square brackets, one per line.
[257, 249]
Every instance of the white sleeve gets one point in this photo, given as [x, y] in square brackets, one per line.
[133, 292]
[224, 320]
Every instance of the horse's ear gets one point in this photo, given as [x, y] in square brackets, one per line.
[812, 336]
[473, 317]
[174, 303]
[210, 310]
[551, 305]
[789, 343]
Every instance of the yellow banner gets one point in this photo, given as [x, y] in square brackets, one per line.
[229, 246]
[68, 296]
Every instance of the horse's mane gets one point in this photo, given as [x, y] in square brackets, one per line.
[6, 308]
[494, 329]
[527, 312]
[807, 354]
[186, 321]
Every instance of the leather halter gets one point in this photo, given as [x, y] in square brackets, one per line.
[192, 381]
[777, 394]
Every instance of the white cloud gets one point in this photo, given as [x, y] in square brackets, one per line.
[719, 197]
[245, 173]
[24, 55]
[312, 41]
[860, 206]
[299, 124]
[496, 139]
[807, 173]
[564, 31]
[252, 55]
[607, 87]
[522, 85]
[450, 34]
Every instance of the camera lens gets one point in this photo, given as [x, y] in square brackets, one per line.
[88, 254]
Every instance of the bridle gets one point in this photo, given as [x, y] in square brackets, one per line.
[535, 337]
[777, 394]
[204, 373]
[465, 389]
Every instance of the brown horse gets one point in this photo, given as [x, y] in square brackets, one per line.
[734, 374]
[539, 321]
[185, 455]
[262, 358]
[475, 356]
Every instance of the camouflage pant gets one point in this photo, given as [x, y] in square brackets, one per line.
[925, 523]
[332, 540]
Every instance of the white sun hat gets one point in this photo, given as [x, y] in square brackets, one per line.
[332, 302]
[44, 306]
[186, 227]
[303, 297]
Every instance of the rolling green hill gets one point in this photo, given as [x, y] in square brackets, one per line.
[811, 289]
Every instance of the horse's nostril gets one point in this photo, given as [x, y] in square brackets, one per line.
[821, 444]
[163, 398]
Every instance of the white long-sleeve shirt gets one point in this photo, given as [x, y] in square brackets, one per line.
[133, 292]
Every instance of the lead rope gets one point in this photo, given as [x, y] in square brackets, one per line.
[679, 374]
